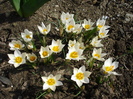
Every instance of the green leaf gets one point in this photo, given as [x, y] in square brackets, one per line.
[17, 4]
[30, 6]
[89, 34]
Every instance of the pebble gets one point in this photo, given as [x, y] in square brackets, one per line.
[128, 17]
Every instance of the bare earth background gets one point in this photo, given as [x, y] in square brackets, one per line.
[27, 83]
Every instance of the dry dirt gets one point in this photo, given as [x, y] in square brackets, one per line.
[27, 83]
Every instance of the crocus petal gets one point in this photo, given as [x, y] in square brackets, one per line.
[115, 64]
[115, 73]
[108, 62]
[50, 76]
[85, 80]
[59, 83]
[44, 78]
[52, 88]
[17, 53]
[75, 70]
[82, 69]
[87, 73]
[16, 65]
[40, 29]
[45, 86]
[79, 83]
[58, 76]
[11, 62]
[11, 56]
[73, 78]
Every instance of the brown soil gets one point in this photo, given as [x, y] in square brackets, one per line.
[27, 83]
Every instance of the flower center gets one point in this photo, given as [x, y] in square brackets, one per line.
[70, 27]
[28, 37]
[17, 45]
[18, 60]
[97, 55]
[67, 18]
[45, 53]
[44, 30]
[87, 26]
[55, 48]
[79, 76]
[74, 54]
[109, 68]
[100, 26]
[81, 47]
[102, 34]
[32, 58]
[72, 45]
[51, 81]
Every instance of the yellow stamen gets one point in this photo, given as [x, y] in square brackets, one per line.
[18, 60]
[72, 45]
[55, 48]
[87, 26]
[70, 27]
[51, 81]
[32, 58]
[74, 54]
[102, 34]
[97, 55]
[45, 53]
[45, 30]
[109, 68]
[17, 45]
[28, 37]
[79, 76]
[67, 18]
[100, 26]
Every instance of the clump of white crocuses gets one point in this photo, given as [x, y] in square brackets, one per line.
[75, 40]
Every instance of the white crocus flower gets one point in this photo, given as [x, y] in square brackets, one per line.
[16, 44]
[31, 57]
[95, 42]
[110, 66]
[103, 32]
[70, 26]
[65, 17]
[75, 53]
[101, 22]
[51, 82]
[77, 28]
[30, 45]
[80, 76]
[71, 43]
[44, 29]
[87, 25]
[97, 54]
[79, 45]
[45, 52]
[27, 35]
[56, 46]
[17, 58]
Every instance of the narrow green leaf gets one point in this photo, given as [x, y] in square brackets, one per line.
[89, 34]
[31, 6]
[17, 6]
